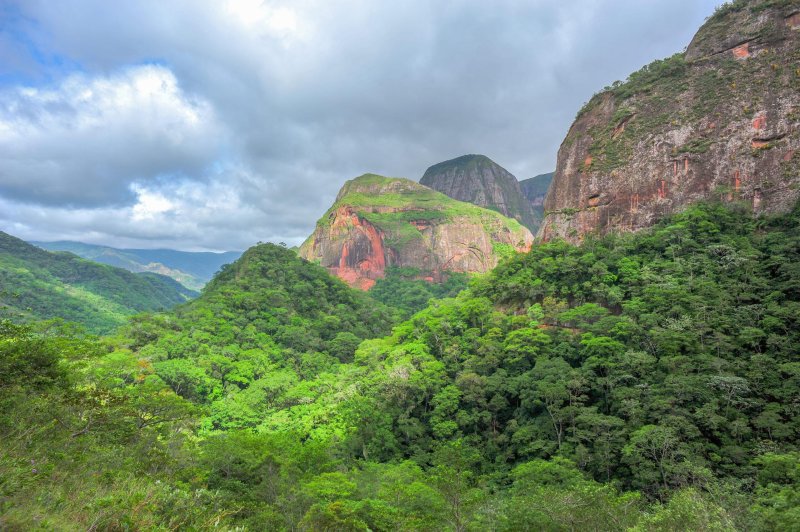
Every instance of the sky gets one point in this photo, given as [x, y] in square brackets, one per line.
[216, 124]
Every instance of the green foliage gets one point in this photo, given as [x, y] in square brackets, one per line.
[698, 145]
[251, 347]
[404, 289]
[660, 71]
[37, 284]
[391, 204]
[90, 440]
[635, 382]
[660, 361]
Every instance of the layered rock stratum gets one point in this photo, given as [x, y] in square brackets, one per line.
[720, 120]
[377, 222]
[479, 180]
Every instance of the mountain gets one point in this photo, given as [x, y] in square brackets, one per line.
[478, 180]
[644, 383]
[191, 269]
[721, 119]
[275, 301]
[378, 222]
[535, 189]
[39, 284]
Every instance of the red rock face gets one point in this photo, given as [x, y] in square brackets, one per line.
[362, 257]
[739, 134]
[742, 51]
[359, 251]
[420, 225]
[758, 144]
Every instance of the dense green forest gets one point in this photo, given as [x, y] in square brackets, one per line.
[636, 382]
[38, 284]
[403, 289]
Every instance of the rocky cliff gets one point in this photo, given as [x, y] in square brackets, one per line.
[534, 189]
[478, 180]
[378, 222]
[720, 120]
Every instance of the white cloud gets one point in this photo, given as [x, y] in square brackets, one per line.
[256, 111]
[86, 139]
[185, 215]
[149, 204]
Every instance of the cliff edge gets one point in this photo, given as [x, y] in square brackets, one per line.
[720, 120]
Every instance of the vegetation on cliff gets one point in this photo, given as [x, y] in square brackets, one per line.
[371, 194]
[722, 115]
[378, 222]
[36, 284]
[635, 382]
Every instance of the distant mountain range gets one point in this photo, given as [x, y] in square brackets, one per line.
[192, 269]
[37, 284]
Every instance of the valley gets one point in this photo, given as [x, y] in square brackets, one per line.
[612, 346]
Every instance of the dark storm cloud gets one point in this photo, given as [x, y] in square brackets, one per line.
[273, 105]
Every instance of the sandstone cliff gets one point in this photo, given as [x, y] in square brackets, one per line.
[720, 120]
[478, 180]
[378, 222]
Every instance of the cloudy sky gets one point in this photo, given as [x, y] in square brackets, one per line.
[211, 125]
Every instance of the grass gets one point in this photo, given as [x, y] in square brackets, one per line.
[699, 145]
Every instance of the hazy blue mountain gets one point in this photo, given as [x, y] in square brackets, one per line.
[192, 269]
[535, 189]
[38, 284]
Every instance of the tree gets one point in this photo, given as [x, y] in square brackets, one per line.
[653, 452]
[454, 477]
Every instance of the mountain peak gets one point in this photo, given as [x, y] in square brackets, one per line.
[377, 222]
[459, 162]
[374, 184]
[479, 180]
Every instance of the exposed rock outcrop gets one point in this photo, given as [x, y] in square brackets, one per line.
[478, 180]
[378, 222]
[721, 120]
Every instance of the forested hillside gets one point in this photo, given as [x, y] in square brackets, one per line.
[36, 284]
[404, 290]
[644, 381]
[191, 269]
